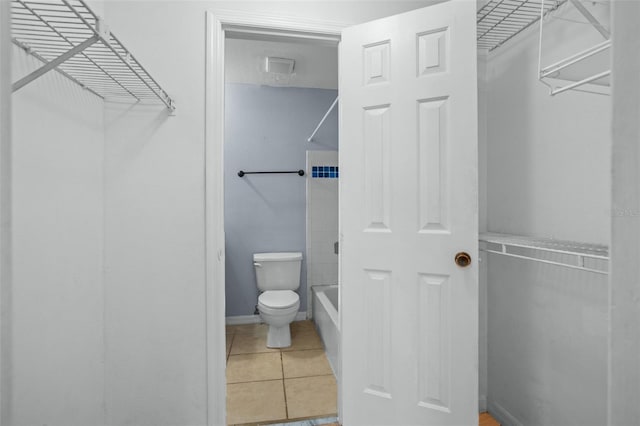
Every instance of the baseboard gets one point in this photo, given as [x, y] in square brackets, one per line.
[243, 319]
[255, 319]
[504, 417]
[482, 404]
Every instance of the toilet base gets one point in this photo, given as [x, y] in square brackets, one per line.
[279, 337]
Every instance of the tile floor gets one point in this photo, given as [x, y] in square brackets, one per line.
[276, 385]
[267, 386]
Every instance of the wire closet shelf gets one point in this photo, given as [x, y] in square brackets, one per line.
[66, 35]
[498, 21]
[586, 257]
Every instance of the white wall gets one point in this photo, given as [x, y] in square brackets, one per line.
[625, 270]
[57, 341]
[5, 206]
[548, 175]
[548, 172]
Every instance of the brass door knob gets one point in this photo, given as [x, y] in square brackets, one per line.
[462, 259]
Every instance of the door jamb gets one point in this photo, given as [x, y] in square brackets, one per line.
[217, 22]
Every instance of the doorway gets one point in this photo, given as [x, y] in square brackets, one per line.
[277, 90]
[218, 27]
[437, 52]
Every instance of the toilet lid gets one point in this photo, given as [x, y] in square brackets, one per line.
[279, 298]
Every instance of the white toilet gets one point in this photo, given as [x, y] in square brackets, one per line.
[278, 275]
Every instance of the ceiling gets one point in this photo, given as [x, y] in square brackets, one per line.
[316, 63]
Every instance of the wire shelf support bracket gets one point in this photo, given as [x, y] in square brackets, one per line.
[596, 82]
[335, 102]
[66, 36]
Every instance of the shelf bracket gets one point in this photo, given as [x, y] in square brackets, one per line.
[592, 19]
[54, 63]
[310, 138]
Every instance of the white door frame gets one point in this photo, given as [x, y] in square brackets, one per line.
[217, 22]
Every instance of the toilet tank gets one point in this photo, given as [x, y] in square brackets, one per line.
[277, 271]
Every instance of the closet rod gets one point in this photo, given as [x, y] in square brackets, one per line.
[310, 138]
[300, 172]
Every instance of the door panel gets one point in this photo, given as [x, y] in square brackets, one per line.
[408, 203]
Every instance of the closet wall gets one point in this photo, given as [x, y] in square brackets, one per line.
[548, 175]
[5, 201]
[57, 326]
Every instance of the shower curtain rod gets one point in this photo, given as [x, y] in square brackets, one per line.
[310, 138]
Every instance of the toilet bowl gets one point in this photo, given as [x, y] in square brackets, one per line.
[277, 276]
[278, 308]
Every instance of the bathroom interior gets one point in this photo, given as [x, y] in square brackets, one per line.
[287, 89]
[108, 266]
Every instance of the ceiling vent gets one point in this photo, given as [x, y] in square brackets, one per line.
[277, 72]
[279, 65]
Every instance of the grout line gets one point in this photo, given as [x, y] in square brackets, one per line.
[303, 350]
[284, 389]
[307, 377]
[256, 353]
[253, 381]
[233, 337]
[283, 378]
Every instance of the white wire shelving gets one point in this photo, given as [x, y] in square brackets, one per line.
[498, 21]
[588, 70]
[586, 257]
[68, 37]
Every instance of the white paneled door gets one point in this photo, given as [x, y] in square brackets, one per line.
[408, 172]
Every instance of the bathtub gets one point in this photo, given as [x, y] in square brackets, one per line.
[325, 316]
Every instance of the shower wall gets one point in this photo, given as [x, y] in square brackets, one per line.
[267, 129]
[322, 219]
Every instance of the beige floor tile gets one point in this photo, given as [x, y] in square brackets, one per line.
[311, 396]
[305, 363]
[302, 326]
[253, 329]
[255, 401]
[250, 344]
[254, 367]
[302, 340]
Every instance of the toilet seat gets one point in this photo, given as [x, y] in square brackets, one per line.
[279, 299]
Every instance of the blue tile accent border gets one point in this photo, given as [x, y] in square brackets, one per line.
[330, 172]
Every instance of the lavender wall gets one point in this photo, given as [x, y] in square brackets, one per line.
[267, 129]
